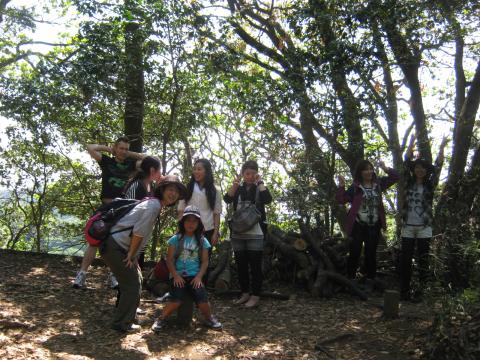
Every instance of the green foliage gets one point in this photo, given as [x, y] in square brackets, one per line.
[306, 95]
[455, 331]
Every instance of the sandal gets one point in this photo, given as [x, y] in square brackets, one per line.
[252, 302]
[243, 299]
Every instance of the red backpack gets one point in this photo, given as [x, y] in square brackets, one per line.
[98, 226]
[161, 271]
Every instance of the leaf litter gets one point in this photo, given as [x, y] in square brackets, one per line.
[42, 316]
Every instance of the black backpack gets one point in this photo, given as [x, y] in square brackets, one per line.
[105, 217]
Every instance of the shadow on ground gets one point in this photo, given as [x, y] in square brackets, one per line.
[41, 317]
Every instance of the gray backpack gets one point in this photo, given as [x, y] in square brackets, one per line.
[246, 218]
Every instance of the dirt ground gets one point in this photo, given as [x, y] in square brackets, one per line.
[43, 317]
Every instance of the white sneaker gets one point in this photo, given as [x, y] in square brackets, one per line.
[113, 282]
[140, 311]
[163, 299]
[80, 280]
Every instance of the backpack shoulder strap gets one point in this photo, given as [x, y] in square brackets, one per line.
[124, 210]
[257, 196]
[179, 247]
[200, 248]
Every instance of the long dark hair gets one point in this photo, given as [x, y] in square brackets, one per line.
[144, 171]
[209, 184]
[197, 234]
[359, 167]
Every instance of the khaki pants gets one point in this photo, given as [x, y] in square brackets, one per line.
[129, 281]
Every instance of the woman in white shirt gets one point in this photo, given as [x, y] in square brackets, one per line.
[202, 192]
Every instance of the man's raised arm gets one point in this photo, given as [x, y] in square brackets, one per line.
[95, 151]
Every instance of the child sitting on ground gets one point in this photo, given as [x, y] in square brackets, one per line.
[187, 260]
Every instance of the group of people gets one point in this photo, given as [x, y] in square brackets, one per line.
[366, 216]
[137, 176]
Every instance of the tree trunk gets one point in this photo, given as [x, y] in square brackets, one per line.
[350, 105]
[134, 82]
[408, 59]
[464, 130]
[462, 139]
[390, 110]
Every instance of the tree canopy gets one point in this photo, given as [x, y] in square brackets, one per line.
[305, 87]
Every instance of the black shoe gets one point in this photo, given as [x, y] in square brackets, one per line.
[370, 285]
[405, 296]
[417, 297]
[158, 325]
[130, 328]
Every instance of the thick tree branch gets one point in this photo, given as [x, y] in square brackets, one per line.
[464, 129]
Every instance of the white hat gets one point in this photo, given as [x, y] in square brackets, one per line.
[191, 210]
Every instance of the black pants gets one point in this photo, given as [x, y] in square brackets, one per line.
[406, 256]
[208, 235]
[249, 266]
[368, 235]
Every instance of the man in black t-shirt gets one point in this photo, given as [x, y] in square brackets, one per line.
[115, 175]
[116, 171]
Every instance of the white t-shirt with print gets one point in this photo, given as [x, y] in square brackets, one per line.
[199, 199]
[368, 212]
[415, 209]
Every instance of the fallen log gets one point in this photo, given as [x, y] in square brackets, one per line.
[320, 281]
[337, 259]
[334, 339]
[322, 349]
[299, 257]
[265, 294]
[316, 247]
[185, 312]
[342, 280]
[224, 258]
[300, 245]
[224, 279]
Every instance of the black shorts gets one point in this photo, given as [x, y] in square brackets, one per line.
[178, 294]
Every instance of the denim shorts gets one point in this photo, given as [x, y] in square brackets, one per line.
[178, 293]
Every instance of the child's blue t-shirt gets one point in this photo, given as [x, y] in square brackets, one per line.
[188, 263]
